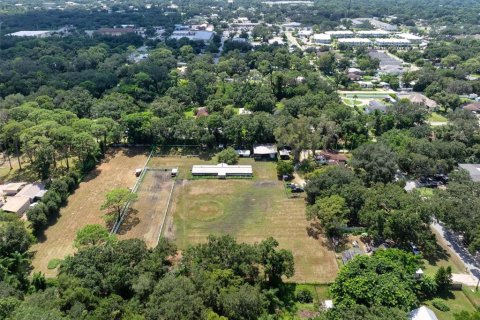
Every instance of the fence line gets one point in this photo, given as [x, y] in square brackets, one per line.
[166, 210]
[118, 223]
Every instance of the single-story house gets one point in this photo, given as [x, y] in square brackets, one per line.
[365, 84]
[375, 105]
[354, 76]
[355, 71]
[17, 204]
[330, 157]
[422, 313]
[349, 254]
[222, 170]
[265, 151]
[472, 107]
[13, 188]
[202, 112]
[420, 99]
[243, 153]
[33, 191]
[284, 154]
[473, 170]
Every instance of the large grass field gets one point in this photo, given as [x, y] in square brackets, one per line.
[116, 171]
[457, 301]
[248, 209]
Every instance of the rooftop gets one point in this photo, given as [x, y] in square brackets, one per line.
[16, 204]
[265, 149]
[222, 169]
[473, 170]
[33, 190]
[30, 33]
[422, 313]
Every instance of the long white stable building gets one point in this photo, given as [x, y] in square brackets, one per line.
[222, 170]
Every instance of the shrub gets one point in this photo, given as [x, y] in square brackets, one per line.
[228, 156]
[304, 296]
[61, 187]
[38, 216]
[284, 168]
[440, 305]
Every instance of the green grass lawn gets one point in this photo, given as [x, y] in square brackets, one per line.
[473, 295]
[436, 117]
[250, 210]
[425, 192]
[448, 259]
[189, 113]
[456, 300]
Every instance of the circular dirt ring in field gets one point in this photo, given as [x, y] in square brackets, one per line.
[206, 210]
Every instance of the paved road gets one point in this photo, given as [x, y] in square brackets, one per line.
[291, 40]
[468, 260]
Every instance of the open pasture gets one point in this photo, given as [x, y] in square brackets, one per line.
[248, 209]
[117, 170]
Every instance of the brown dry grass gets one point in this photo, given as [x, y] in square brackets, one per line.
[116, 171]
[145, 218]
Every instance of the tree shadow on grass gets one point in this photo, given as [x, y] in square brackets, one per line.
[129, 222]
[435, 254]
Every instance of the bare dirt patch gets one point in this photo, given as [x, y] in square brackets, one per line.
[147, 214]
[116, 171]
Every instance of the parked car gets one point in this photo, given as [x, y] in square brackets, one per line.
[297, 190]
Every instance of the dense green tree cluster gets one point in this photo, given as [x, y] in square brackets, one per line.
[124, 280]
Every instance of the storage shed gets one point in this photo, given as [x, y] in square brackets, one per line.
[222, 170]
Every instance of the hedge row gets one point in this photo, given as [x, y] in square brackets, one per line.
[49, 206]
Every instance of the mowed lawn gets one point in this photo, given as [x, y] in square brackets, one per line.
[248, 209]
[116, 171]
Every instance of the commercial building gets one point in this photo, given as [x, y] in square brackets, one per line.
[354, 42]
[322, 38]
[36, 34]
[194, 35]
[222, 170]
[393, 42]
[376, 24]
[114, 32]
[373, 34]
[410, 37]
[341, 34]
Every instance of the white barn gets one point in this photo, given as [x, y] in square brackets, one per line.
[222, 170]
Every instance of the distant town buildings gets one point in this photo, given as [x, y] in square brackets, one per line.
[36, 34]
[205, 36]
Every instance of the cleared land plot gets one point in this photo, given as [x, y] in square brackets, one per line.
[250, 210]
[147, 214]
[116, 171]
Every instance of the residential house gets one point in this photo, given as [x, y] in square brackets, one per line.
[420, 99]
[265, 152]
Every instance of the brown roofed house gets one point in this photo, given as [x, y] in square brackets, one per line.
[472, 107]
[330, 157]
[420, 99]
